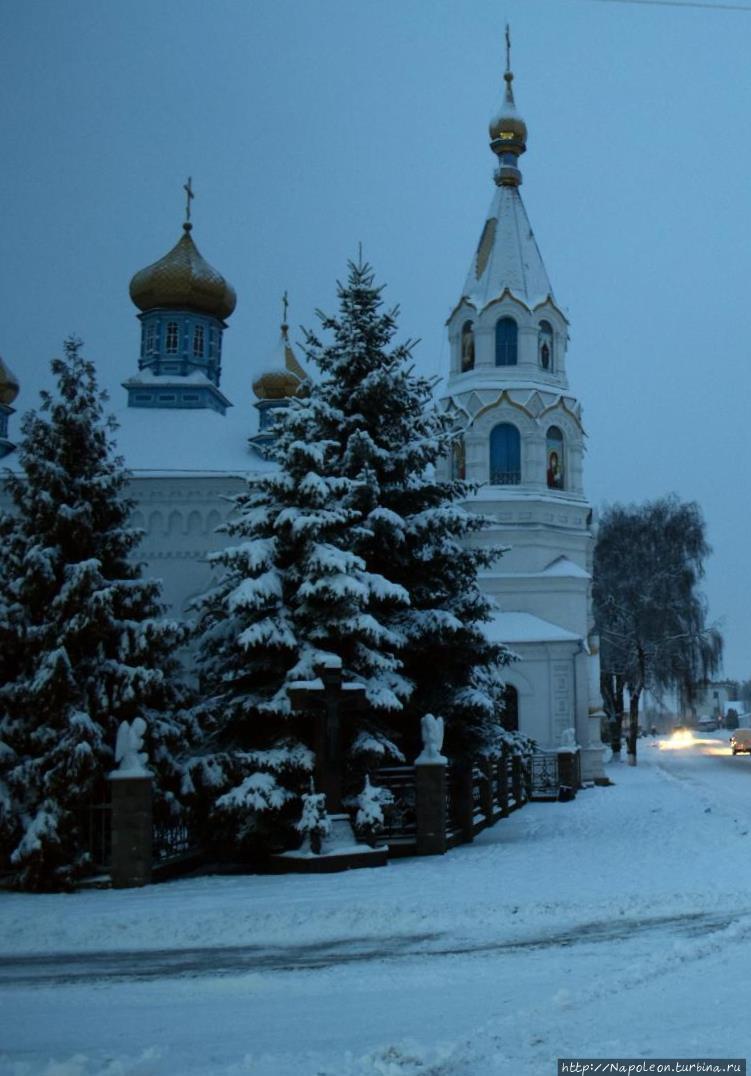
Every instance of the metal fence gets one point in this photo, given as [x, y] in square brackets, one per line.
[96, 831]
[545, 780]
[173, 839]
[400, 818]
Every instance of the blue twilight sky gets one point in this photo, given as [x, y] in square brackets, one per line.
[311, 125]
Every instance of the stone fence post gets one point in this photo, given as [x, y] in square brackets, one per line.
[569, 767]
[132, 830]
[431, 807]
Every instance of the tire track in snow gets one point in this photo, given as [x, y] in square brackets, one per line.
[52, 969]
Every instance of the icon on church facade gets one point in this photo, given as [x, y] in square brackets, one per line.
[458, 460]
[555, 458]
[545, 345]
[555, 474]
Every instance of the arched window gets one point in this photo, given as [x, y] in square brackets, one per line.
[458, 459]
[505, 455]
[172, 341]
[505, 342]
[556, 462]
[468, 347]
[510, 711]
[545, 345]
[198, 342]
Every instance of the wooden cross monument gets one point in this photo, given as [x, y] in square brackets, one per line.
[331, 700]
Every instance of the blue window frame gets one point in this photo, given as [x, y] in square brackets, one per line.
[505, 455]
[198, 341]
[172, 342]
[506, 333]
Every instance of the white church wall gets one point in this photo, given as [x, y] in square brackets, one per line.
[180, 517]
[545, 679]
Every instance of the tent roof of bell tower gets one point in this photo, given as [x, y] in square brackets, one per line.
[507, 257]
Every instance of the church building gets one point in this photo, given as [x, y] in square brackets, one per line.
[519, 436]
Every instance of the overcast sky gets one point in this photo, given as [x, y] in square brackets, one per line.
[311, 125]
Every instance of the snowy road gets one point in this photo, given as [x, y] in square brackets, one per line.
[616, 925]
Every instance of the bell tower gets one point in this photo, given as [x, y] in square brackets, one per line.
[519, 436]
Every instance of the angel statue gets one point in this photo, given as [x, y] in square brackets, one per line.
[568, 739]
[128, 753]
[432, 740]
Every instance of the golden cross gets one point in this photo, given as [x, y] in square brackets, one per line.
[188, 188]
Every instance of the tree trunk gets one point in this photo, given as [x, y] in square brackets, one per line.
[611, 689]
[633, 727]
[633, 708]
[619, 690]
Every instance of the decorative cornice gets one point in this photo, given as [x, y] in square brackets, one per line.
[504, 396]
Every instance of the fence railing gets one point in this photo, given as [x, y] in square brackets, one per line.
[505, 478]
[96, 832]
[173, 839]
[434, 806]
[545, 779]
[465, 799]
[400, 817]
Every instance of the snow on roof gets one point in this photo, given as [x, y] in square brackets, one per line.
[196, 441]
[525, 628]
[734, 704]
[514, 260]
[188, 441]
[562, 566]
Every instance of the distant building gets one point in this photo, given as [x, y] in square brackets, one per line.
[714, 699]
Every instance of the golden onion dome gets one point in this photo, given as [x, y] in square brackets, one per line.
[182, 278]
[9, 387]
[508, 131]
[285, 378]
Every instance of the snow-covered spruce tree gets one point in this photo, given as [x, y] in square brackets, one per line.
[82, 642]
[389, 437]
[353, 548]
[290, 593]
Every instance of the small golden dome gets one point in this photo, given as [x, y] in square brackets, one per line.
[508, 131]
[276, 385]
[9, 387]
[285, 378]
[182, 278]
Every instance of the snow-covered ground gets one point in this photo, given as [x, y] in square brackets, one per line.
[615, 925]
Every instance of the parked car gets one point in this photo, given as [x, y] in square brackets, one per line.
[709, 724]
[741, 741]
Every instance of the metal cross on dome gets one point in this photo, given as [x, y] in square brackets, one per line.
[189, 196]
